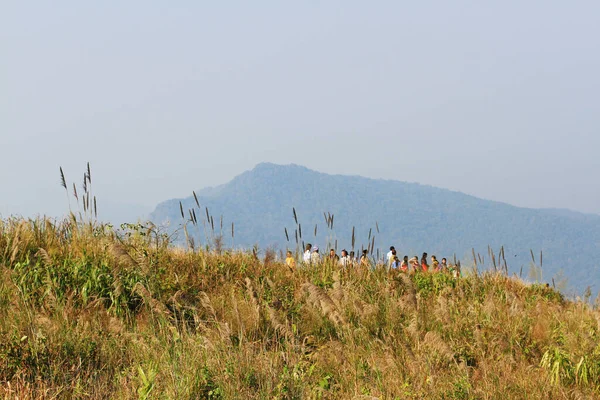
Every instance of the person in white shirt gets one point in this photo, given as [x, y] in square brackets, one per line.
[306, 255]
[391, 260]
[390, 255]
[345, 260]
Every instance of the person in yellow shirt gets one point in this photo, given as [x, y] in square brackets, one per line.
[290, 261]
[435, 264]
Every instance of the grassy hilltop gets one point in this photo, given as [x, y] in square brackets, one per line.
[87, 312]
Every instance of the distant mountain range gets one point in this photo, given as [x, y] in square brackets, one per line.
[412, 217]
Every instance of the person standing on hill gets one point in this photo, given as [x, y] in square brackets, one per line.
[390, 255]
[435, 264]
[315, 257]
[414, 264]
[424, 265]
[364, 259]
[333, 258]
[395, 265]
[290, 261]
[455, 270]
[352, 256]
[444, 265]
[391, 260]
[306, 255]
[345, 259]
[404, 264]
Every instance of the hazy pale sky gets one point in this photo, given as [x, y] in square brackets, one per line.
[496, 99]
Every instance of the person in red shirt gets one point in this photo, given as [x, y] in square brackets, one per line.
[404, 264]
[424, 265]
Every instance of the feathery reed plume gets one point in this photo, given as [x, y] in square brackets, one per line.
[296, 232]
[233, 231]
[85, 186]
[89, 173]
[121, 255]
[221, 223]
[194, 215]
[336, 245]
[253, 298]
[315, 230]
[541, 258]
[532, 256]
[286, 234]
[43, 254]
[369, 239]
[63, 182]
[95, 209]
[212, 223]
[332, 221]
[155, 305]
[474, 256]
[207, 215]
[15, 247]
[409, 290]
[326, 219]
[295, 215]
[377, 226]
[181, 209]
[75, 192]
[353, 238]
[278, 325]
[337, 294]
[300, 230]
[207, 304]
[320, 300]
[196, 199]
[191, 216]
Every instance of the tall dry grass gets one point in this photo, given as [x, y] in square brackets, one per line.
[90, 312]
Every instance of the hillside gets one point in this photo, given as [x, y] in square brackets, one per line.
[413, 217]
[88, 312]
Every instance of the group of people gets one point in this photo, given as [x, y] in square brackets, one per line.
[311, 255]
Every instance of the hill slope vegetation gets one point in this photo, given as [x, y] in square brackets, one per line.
[89, 312]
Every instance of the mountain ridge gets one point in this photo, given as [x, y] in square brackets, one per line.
[411, 216]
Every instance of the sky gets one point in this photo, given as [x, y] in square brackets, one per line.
[500, 100]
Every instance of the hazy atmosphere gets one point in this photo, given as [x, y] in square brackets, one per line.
[498, 101]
